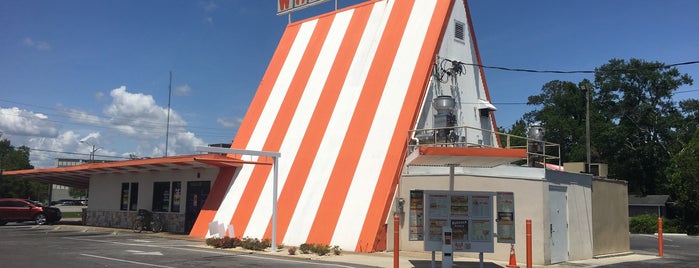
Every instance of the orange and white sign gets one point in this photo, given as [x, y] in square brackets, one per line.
[286, 6]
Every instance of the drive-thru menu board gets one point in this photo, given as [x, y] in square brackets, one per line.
[469, 214]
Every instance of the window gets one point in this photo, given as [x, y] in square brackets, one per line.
[129, 196]
[459, 31]
[134, 196]
[166, 196]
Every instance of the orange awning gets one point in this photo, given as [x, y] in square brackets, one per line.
[464, 156]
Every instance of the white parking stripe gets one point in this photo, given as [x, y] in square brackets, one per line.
[127, 261]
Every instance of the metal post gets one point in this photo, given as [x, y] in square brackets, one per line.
[274, 205]
[529, 243]
[587, 127]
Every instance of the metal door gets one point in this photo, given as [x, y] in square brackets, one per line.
[558, 227]
[197, 191]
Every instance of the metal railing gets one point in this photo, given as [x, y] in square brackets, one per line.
[538, 152]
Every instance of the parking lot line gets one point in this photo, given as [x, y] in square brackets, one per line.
[127, 261]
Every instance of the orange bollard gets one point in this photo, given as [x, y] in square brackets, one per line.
[660, 237]
[396, 240]
[529, 243]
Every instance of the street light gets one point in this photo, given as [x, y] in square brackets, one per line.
[95, 148]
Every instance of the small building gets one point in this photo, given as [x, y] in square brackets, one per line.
[648, 204]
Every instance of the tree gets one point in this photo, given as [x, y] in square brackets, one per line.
[683, 173]
[12, 158]
[637, 97]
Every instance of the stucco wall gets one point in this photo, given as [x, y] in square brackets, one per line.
[610, 209]
[105, 196]
[531, 202]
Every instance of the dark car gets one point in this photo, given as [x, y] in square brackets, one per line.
[19, 210]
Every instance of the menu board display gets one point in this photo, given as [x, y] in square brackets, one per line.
[416, 218]
[506, 217]
[468, 214]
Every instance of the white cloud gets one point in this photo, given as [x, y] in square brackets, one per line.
[38, 45]
[210, 6]
[184, 90]
[27, 123]
[138, 116]
[229, 122]
[99, 96]
[131, 124]
[208, 20]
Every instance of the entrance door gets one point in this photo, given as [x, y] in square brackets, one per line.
[197, 191]
[558, 204]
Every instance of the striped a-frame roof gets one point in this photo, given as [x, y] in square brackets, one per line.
[337, 101]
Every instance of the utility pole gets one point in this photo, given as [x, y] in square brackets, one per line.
[167, 130]
[587, 126]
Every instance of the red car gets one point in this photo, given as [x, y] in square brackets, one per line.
[19, 210]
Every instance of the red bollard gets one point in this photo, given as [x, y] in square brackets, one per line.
[660, 237]
[396, 239]
[529, 243]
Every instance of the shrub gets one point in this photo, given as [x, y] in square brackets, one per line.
[266, 243]
[253, 244]
[643, 224]
[321, 249]
[228, 242]
[214, 242]
[292, 250]
[305, 248]
[337, 250]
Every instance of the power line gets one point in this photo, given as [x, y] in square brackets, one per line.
[454, 62]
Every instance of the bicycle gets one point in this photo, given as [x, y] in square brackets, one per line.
[147, 220]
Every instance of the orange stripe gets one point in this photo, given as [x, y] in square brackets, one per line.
[353, 145]
[213, 202]
[258, 178]
[257, 104]
[308, 149]
[391, 170]
[265, 89]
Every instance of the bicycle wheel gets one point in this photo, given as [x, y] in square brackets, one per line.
[156, 226]
[137, 226]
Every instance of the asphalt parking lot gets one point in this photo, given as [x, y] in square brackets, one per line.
[72, 245]
[24, 245]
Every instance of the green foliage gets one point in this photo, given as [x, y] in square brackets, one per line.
[683, 173]
[643, 224]
[648, 224]
[255, 244]
[77, 193]
[337, 250]
[12, 158]
[321, 249]
[306, 248]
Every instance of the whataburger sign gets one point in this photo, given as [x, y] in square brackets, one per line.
[286, 6]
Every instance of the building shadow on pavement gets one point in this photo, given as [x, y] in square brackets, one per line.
[428, 264]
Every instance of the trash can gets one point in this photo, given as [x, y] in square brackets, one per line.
[84, 216]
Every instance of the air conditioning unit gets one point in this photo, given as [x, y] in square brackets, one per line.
[598, 169]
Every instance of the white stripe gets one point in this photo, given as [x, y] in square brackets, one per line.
[313, 190]
[299, 123]
[356, 206]
[264, 123]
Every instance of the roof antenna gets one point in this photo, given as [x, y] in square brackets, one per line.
[169, 95]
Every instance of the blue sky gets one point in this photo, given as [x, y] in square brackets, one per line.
[98, 71]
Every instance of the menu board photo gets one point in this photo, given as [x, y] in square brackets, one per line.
[436, 229]
[459, 205]
[481, 230]
[439, 206]
[481, 206]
